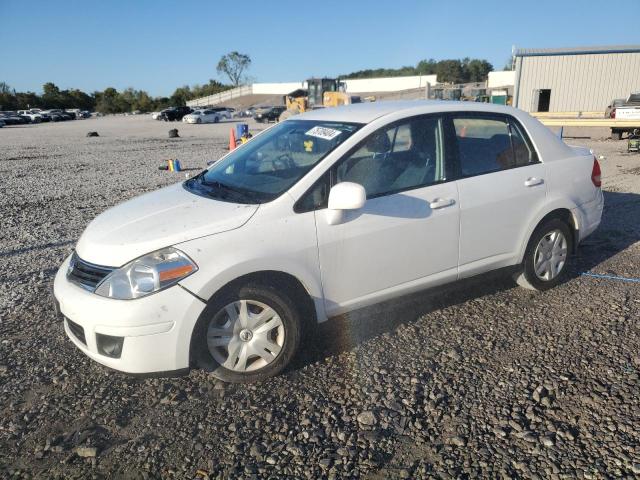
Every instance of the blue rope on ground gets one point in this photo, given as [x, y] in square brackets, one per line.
[611, 277]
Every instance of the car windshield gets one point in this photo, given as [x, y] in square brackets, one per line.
[272, 162]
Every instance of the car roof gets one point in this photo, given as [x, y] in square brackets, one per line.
[369, 111]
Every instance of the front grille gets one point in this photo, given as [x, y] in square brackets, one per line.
[86, 274]
[77, 331]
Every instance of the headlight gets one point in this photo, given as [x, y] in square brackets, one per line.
[147, 274]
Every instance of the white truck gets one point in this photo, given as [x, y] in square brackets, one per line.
[629, 110]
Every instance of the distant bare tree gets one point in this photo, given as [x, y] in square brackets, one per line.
[233, 65]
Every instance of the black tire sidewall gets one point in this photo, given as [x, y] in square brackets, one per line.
[277, 300]
[528, 263]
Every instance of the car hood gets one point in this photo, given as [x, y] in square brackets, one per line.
[155, 220]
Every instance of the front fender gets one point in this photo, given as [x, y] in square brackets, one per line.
[269, 242]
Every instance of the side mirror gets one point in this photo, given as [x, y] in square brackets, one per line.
[344, 196]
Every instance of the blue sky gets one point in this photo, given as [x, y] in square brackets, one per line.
[158, 45]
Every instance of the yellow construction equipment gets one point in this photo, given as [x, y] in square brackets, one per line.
[320, 93]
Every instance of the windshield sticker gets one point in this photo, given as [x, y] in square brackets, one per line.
[323, 132]
[308, 145]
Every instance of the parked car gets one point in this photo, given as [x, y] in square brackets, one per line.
[173, 114]
[209, 115]
[12, 118]
[33, 117]
[624, 109]
[628, 110]
[43, 116]
[326, 212]
[249, 112]
[270, 114]
[56, 115]
[617, 102]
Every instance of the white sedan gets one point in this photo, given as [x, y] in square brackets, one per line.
[323, 213]
[34, 116]
[210, 115]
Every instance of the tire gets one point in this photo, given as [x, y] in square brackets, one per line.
[199, 120]
[216, 333]
[216, 119]
[550, 271]
[616, 134]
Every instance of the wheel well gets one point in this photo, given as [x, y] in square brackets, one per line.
[567, 217]
[281, 281]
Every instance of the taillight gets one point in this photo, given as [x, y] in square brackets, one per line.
[613, 113]
[596, 173]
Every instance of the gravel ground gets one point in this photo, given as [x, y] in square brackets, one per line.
[480, 379]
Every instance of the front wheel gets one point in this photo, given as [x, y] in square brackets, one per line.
[247, 334]
[547, 256]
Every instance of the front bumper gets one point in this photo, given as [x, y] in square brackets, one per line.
[156, 329]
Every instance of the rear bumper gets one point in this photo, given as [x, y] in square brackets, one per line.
[590, 215]
[156, 330]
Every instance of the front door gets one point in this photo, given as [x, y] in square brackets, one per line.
[406, 235]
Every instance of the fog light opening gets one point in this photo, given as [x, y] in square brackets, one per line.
[109, 346]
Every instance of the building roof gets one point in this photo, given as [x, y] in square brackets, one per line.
[537, 52]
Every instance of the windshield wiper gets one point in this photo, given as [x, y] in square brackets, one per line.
[224, 191]
[217, 189]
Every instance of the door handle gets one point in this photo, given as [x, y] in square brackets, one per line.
[441, 203]
[533, 181]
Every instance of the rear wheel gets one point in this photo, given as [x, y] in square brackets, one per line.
[547, 256]
[216, 119]
[247, 334]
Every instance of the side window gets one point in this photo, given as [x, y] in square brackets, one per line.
[484, 144]
[523, 151]
[408, 154]
[316, 197]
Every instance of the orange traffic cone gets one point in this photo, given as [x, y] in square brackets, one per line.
[232, 140]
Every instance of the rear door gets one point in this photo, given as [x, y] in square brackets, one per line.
[500, 183]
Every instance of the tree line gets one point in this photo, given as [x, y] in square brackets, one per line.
[233, 65]
[448, 71]
[108, 101]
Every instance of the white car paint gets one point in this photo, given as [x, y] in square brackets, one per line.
[34, 116]
[392, 245]
[213, 115]
[628, 113]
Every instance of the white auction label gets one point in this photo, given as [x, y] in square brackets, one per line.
[324, 133]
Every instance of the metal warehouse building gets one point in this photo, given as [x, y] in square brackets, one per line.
[575, 79]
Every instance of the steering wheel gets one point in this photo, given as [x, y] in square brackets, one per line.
[283, 162]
